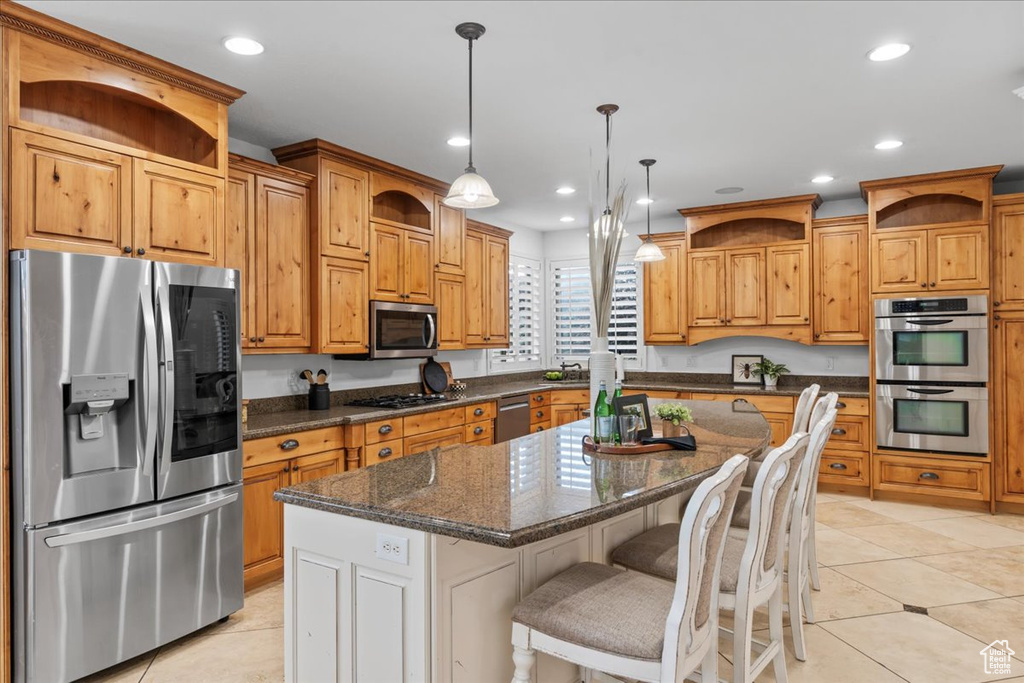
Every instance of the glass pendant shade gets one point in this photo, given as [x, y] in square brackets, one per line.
[470, 191]
[649, 251]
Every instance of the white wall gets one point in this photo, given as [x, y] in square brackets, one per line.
[247, 149]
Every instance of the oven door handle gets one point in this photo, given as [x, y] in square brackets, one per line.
[927, 321]
[930, 392]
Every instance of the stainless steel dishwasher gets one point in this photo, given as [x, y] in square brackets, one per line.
[513, 418]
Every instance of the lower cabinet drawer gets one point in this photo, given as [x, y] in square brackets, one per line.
[480, 431]
[852, 406]
[850, 433]
[567, 396]
[437, 439]
[384, 430]
[294, 445]
[540, 427]
[385, 450]
[766, 404]
[480, 411]
[844, 468]
[540, 414]
[425, 423]
[950, 478]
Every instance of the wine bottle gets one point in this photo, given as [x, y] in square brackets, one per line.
[603, 417]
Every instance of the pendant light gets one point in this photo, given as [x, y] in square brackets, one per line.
[603, 223]
[649, 250]
[470, 191]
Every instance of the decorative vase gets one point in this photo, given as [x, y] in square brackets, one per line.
[602, 367]
[670, 430]
[770, 382]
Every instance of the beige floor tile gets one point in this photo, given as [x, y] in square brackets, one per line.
[264, 608]
[987, 621]
[1015, 522]
[242, 657]
[974, 531]
[835, 547]
[841, 515]
[917, 647]
[126, 672]
[908, 540]
[910, 512]
[841, 597]
[914, 583]
[848, 497]
[999, 570]
[825, 498]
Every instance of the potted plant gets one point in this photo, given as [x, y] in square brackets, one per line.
[673, 415]
[771, 372]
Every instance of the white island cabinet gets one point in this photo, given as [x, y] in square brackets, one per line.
[409, 570]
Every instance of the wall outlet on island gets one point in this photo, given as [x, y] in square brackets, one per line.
[393, 548]
[830, 362]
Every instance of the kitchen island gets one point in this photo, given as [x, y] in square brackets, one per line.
[409, 570]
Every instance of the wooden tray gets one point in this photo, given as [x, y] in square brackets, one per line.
[608, 449]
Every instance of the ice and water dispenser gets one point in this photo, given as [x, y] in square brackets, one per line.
[98, 413]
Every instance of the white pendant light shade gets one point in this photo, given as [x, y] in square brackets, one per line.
[649, 251]
[470, 191]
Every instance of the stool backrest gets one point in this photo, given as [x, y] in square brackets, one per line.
[824, 404]
[702, 531]
[807, 482]
[803, 408]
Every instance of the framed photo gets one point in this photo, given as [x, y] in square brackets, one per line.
[635, 405]
[743, 369]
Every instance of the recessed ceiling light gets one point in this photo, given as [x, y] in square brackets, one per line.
[728, 190]
[822, 179]
[567, 219]
[643, 201]
[889, 144]
[565, 189]
[458, 141]
[883, 53]
[243, 46]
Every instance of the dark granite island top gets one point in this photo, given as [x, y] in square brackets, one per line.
[533, 487]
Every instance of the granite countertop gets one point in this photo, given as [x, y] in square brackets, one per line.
[286, 421]
[533, 487]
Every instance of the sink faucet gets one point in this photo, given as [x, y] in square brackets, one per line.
[566, 366]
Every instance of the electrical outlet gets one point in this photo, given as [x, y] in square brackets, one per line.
[830, 362]
[691, 361]
[393, 548]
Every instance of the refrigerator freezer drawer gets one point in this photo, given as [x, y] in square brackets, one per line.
[103, 590]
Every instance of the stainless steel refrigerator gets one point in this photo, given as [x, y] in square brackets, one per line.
[126, 456]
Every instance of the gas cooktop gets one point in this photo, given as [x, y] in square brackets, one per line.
[400, 401]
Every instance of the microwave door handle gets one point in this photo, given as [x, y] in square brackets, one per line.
[166, 378]
[930, 392]
[930, 321]
[149, 370]
[433, 330]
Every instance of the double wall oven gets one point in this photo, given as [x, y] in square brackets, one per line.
[931, 374]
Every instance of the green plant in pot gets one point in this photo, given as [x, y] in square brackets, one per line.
[673, 415]
[771, 372]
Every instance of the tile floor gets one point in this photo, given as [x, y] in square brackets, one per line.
[964, 569]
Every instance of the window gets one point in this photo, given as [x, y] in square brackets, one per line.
[524, 318]
[572, 318]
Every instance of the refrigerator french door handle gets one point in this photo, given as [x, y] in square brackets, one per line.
[128, 527]
[151, 369]
[166, 376]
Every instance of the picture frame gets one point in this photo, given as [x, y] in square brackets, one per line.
[743, 370]
[636, 405]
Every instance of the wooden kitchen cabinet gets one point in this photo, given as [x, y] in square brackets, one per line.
[487, 283]
[344, 313]
[1008, 256]
[665, 294]
[401, 265]
[451, 311]
[958, 258]
[316, 466]
[781, 425]
[841, 300]
[564, 414]
[263, 522]
[178, 214]
[450, 233]
[418, 273]
[344, 221]
[1008, 395]
[240, 245]
[745, 287]
[450, 436]
[899, 261]
[707, 302]
[788, 290]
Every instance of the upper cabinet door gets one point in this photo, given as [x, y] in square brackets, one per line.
[450, 291]
[69, 197]
[745, 287]
[418, 272]
[665, 296]
[789, 285]
[179, 214]
[958, 258]
[386, 263]
[240, 245]
[344, 211]
[1008, 233]
[497, 304]
[899, 261]
[344, 311]
[475, 289]
[282, 211]
[707, 289]
[841, 301]
[451, 237]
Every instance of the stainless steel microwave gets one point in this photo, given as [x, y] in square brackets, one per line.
[402, 330]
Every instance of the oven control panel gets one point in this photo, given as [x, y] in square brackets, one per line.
[930, 305]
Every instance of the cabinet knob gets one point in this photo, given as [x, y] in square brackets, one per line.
[140, 251]
[252, 340]
[997, 317]
[478, 430]
[728, 321]
[289, 445]
[478, 411]
[286, 468]
[540, 429]
[924, 284]
[995, 303]
[366, 253]
[260, 339]
[817, 336]
[807, 320]
[539, 398]
[929, 475]
[931, 284]
[540, 413]
[384, 452]
[838, 466]
[128, 250]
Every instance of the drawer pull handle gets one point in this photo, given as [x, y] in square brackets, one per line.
[840, 405]
[289, 445]
[385, 429]
[538, 399]
[478, 412]
[838, 431]
[838, 466]
[384, 452]
[540, 413]
[478, 430]
[740, 400]
[929, 475]
[540, 429]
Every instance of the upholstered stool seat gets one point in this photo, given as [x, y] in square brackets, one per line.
[603, 608]
[656, 552]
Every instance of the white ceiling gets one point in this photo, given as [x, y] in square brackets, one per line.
[763, 95]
